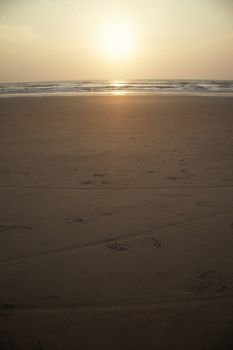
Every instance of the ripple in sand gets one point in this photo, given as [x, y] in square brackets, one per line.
[210, 281]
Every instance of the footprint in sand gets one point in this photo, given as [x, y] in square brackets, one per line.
[88, 182]
[107, 214]
[119, 246]
[201, 204]
[75, 221]
[153, 242]
[156, 243]
[210, 282]
[38, 346]
[15, 227]
[7, 309]
[172, 177]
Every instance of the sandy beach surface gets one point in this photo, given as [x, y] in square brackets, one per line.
[116, 224]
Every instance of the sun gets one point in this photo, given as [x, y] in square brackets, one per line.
[118, 41]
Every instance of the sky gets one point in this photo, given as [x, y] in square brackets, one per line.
[122, 39]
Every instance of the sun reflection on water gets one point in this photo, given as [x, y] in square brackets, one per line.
[118, 87]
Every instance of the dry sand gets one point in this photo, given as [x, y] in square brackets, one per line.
[116, 225]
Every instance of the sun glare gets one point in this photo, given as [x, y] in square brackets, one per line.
[118, 40]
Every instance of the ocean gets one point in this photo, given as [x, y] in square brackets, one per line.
[92, 87]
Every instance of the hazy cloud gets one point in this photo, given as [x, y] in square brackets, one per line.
[48, 2]
[15, 32]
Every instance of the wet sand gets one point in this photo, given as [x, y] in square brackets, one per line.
[116, 225]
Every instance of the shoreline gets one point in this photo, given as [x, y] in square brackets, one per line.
[119, 93]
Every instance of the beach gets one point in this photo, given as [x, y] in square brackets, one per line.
[116, 225]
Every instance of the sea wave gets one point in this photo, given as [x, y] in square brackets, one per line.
[129, 86]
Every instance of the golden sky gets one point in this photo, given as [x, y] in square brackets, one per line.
[122, 39]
